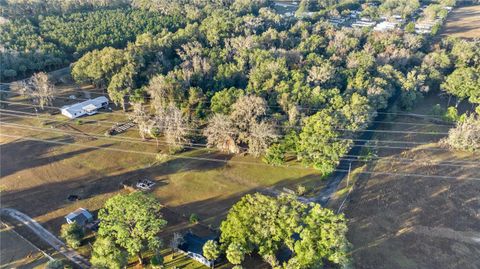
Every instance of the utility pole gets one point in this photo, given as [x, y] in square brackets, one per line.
[349, 170]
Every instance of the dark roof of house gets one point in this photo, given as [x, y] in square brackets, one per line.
[194, 243]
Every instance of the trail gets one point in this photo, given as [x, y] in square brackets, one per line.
[46, 236]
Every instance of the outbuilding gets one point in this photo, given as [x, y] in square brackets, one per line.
[81, 216]
[88, 107]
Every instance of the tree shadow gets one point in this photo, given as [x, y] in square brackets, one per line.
[14, 154]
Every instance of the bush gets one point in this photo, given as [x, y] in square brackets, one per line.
[451, 115]
[72, 234]
[437, 111]
[465, 136]
[410, 27]
[275, 155]
[157, 261]
[193, 218]
[301, 190]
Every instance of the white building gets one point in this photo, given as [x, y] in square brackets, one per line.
[385, 26]
[88, 107]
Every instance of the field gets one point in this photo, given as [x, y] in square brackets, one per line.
[77, 159]
[463, 22]
[406, 221]
[15, 251]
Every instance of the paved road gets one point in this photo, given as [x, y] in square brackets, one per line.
[46, 236]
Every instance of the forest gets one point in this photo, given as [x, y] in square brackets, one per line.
[241, 78]
[48, 42]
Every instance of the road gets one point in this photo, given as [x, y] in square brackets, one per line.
[46, 236]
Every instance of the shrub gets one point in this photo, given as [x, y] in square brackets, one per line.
[301, 190]
[157, 261]
[193, 218]
[275, 155]
[72, 234]
[465, 136]
[451, 114]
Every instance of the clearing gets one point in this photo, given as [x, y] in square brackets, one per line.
[406, 221]
[463, 22]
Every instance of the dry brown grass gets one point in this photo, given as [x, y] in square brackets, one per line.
[463, 22]
[401, 221]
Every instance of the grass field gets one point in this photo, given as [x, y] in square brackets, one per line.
[463, 22]
[37, 177]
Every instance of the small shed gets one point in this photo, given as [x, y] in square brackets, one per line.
[88, 107]
[81, 216]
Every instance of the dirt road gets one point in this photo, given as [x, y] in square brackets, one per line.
[46, 236]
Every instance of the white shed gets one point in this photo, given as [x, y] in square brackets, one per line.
[88, 107]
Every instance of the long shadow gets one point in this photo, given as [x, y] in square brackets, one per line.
[20, 155]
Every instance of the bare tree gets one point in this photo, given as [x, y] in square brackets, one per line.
[39, 89]
[159, 92]
[244, 126]
[261, 136]
[177, 240]
[247, 111]
[221, 133]
[174, 125]
[142, 119]
[466, 135]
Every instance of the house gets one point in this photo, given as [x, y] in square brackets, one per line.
[81, 216]
[193, 247]
[385, 26]
[88, 107]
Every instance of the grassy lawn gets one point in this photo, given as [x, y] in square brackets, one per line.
[37, 177]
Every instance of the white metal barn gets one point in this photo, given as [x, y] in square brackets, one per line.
[88, 107]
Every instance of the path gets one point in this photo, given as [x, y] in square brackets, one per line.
[46, 236]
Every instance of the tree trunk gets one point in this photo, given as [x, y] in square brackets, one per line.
[140, 258]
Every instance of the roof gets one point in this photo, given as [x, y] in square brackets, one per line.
[194, 243]
[80, 215]
[90, 103]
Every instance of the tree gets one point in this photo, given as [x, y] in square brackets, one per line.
[174, 125]
[261, 136]
[223, 100]
[176, 241]
[466, 135]
[72, 234]
[235, 253]
[121, 85]
[39, 89]
[464, 83]
[133, 222]
[221, 133]
[266, 224]
[323, 237]
[143, 121]
[319, 144]
[106, 254]
[211, 251]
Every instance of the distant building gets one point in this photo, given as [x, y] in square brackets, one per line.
[385, 26]
[193, 247]
[88, 107]
[81, 216]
